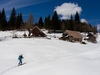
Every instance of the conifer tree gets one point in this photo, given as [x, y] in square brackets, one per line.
[71, 23]
[55, 22]
[0, 15]
[76, 22]
[94, 29]
[47, 22]
[12, 20]
[40, 23]
[0, 20]
[77, 19]
[19, 21]
[68, 25]
[63, 25]
[3, 20]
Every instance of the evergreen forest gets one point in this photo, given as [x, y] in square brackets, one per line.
[50, 23]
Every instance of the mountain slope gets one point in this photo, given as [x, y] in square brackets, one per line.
[49, 57]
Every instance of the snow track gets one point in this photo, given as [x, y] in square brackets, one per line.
[7, 70]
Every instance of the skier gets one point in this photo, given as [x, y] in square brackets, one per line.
[20, 59]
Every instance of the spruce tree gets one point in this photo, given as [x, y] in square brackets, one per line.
[55, 22]
[76, 22]
[63, 25]
[17, 24]
[19, 21]
[12, 20]
[95, 29]
[47, 22]
[3, 20]
[40, 23]
[68, 25]
[71, 23]
[77, 19]
[0, 20]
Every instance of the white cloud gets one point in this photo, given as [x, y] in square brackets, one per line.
[84, 21]
[66, 9]
[9, 4]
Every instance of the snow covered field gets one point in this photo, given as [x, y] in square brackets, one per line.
[48, 57]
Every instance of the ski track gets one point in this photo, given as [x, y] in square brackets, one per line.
[7, 70]
[61, 58]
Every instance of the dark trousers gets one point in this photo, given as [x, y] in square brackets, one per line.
[20, 61]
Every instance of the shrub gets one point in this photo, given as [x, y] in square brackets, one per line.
[24, 35]
[64, 39]
[83, 43]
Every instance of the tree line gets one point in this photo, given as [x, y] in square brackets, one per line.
[55, 23]
[51, 23]
[13, 23]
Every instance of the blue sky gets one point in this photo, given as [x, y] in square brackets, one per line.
[89, 9]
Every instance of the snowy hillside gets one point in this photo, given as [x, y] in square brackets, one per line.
[48, 57]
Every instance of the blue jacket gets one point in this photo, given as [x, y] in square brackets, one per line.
[20, 57]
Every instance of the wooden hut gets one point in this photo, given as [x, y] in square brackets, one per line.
[72, 35]
[36, 32]
[91, 38]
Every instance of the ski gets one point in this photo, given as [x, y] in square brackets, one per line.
[21, 64]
